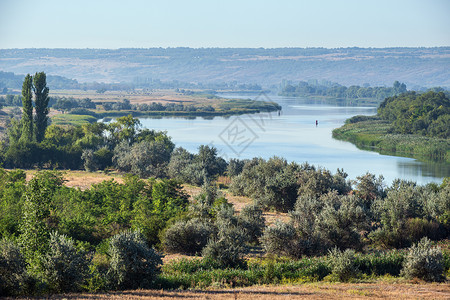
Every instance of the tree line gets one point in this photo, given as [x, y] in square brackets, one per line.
[418, 113]
[339, 91]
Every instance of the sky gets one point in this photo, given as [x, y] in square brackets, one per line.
[231, 23]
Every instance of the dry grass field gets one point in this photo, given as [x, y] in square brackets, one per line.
[82, 179]
[135, 97]
[378, 290]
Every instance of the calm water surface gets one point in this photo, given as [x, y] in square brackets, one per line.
[293, 134]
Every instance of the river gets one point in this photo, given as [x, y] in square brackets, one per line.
[293, 134]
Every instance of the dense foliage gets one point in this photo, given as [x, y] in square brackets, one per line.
[338, 91]
[424, 262]
[424, 114]
[328, 211]
[411, 124]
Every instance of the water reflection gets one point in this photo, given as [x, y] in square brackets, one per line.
[423, 169]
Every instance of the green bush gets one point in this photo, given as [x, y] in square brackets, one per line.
[424, 262]
[14, 279]
[343, 264]
[188, 237]
[340, 221]
[380, 263]
[281, 239]
[63, 267]
[229, 246]
[252, 221]
[133, 264]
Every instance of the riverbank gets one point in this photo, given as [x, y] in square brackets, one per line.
[374, 135]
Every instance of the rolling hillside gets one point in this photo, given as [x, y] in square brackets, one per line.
[425, 67]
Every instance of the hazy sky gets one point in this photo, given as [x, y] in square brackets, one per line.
[228, 23]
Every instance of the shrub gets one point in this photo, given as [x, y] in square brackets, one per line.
[273, 182]
[343, 264]
[424, 262]
[252, 221]
[188, 237]
[99, 159]
[229, 246]
[146, 158]
[63, 267]
[13, 275]
[235, 167]
[133, 264]
[227, 251]
[281, 239]
[338, 223]
[90, 164]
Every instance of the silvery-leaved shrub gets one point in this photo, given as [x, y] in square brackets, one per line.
[343, 264]
[252, 221]
[14, 279]
[133, 264]
[63, 267]
[188, 237]
[228, 247]
[424, 261]
[279, 239]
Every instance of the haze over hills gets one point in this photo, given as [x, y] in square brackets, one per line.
[424, 67]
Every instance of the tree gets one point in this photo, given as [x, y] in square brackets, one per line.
[211, 163]
[41, 104]
[34, 229]
[27, 107]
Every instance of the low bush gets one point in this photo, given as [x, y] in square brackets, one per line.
[14, 279]
[343, 265]
[63, 267]
[281, 239]
[133, 264]
[424, 261]
[229, 246]
[227, 249]
[188, 237]
[252, 221]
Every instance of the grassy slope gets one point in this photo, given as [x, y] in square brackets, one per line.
[374, 135]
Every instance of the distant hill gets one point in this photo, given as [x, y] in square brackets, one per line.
[425, 67]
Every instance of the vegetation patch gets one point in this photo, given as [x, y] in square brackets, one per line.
[411, 125]
[71, 119]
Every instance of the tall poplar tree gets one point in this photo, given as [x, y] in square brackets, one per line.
[27, 107]
[41, 104]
